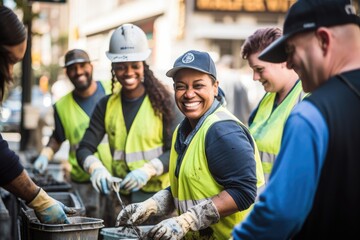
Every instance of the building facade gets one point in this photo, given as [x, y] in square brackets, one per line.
[172, 26]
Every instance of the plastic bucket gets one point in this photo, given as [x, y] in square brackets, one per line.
[79, 228]
[117, 233]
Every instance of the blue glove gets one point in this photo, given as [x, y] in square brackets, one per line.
[41, 164]
[135, 180]
[49, 210]
[138, 178]
[101, 180]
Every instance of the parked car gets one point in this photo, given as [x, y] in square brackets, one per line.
[10, 111]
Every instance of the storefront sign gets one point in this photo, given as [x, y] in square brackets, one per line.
[49, 1]
[244, 5]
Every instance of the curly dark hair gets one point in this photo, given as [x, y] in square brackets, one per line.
[259, 40]
[160, 97]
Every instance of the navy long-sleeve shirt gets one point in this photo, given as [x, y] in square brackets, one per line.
[230, 156]
[10, 166]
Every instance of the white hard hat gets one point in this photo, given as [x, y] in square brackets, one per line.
[128, 44]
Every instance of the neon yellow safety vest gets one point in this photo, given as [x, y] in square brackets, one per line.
[75, 122]
[195, 182]
[143, 142]
[267, 127]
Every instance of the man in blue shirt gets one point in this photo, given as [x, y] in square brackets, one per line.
[313, 190]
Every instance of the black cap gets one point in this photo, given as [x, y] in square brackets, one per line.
[76, 56]
[306, 15]
[200, 61]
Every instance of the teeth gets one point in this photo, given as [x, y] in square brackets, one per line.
[82, 78]
[193, 104]
[130, 80]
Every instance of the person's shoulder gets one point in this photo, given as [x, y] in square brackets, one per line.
[64, 98]
[304, 107]
[228, 132]
[104, 99]
[105, 85]
[305, 112]
[221, 128]
[103, 82]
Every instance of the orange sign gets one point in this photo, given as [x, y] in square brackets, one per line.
[244, 5]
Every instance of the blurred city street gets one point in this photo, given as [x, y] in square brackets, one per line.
[13, 139]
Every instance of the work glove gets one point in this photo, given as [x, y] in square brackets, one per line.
[100, 178]
[196, 218]
[138, 178]
[49, 210]
[42, 161]
[160, 204]
[41, 164]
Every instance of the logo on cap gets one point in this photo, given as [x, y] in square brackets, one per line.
[350, 9]
[188, 58]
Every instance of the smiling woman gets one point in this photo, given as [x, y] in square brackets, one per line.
[283, 91]
[215, 169]
[138, 121]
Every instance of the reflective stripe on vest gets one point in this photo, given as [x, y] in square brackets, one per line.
[195, 182]
[138, 156]
[142, 143]
[75, 122]
[267, 127]
[267, 160]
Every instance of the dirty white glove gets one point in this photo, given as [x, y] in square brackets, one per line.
[49, 210]
[43, 159]
[160, 204]
[196, 218]
[100, 178]
[138, 178]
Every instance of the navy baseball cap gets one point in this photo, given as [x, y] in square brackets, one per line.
[307, 15]
[200, 61]
[76, 56]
